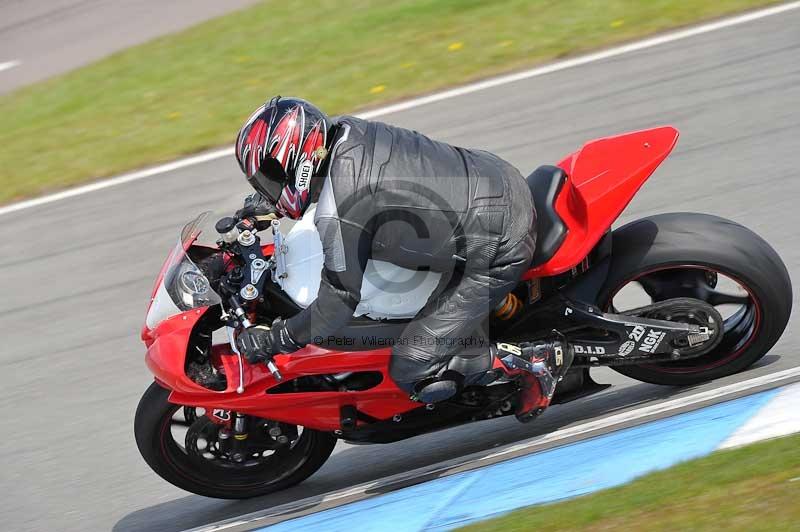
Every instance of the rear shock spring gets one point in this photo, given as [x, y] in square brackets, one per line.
[508, 307]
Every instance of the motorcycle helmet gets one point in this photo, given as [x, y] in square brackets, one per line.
[281, 149]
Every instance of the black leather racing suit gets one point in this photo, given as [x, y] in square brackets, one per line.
[395, 195]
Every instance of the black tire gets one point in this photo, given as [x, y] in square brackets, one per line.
[171, 463]
[678, 241]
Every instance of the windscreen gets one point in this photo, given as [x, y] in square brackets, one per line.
[183, 286]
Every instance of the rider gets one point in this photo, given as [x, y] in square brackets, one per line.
[395, 195]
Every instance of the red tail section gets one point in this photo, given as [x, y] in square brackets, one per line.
[604, 176]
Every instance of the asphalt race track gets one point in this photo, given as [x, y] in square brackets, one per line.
[76, 274]
[49, 37]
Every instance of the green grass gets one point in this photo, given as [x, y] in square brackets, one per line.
[190, 91]
[755, 488]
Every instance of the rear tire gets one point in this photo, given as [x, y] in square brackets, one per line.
[152, 428]
[679, 242]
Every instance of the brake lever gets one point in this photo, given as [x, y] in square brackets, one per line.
[232, 340]
[246, 323]
[239, 314]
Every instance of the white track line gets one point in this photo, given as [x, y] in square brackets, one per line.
[585, 59]
[119, 180]
[439, 96]
[666, 407]
[9, 64]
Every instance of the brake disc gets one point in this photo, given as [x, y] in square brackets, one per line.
[210, 442]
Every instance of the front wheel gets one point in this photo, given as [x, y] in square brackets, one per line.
[708, 258]
[184, 447]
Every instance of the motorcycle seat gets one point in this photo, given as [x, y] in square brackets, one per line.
[545, 183]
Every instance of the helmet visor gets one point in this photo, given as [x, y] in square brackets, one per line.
[270, 179]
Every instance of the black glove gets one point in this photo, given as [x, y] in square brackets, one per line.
[255, 344]
[259, 343]
[257, 208]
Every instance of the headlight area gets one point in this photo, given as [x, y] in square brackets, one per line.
[184, 285]
[189, 288]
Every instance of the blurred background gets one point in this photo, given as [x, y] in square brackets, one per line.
[93, 88]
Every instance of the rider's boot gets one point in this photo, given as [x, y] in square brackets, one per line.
[540, 366]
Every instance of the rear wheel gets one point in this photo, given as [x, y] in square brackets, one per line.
[708, 258]
[185, 448]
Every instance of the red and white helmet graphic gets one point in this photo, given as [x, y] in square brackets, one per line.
[281, 149]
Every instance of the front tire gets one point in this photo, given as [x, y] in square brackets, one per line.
[188, 470]
[683, 255]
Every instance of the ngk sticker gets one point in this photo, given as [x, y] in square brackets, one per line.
[651, 341]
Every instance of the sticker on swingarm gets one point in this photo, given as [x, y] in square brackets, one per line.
[643, 339]
[589, 349]
[651, 341]
[626, 348]
[637, 333]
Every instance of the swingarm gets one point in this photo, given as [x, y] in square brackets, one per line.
[675, 329]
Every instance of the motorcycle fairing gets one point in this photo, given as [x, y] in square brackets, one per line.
[321, 410]
[603, 177]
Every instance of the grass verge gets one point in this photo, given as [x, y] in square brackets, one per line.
[754, 488]
[190, 91]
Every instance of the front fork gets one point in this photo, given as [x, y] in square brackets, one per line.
[233, 441]
[242, 434]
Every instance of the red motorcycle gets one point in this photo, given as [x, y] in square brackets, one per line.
[673, 299]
